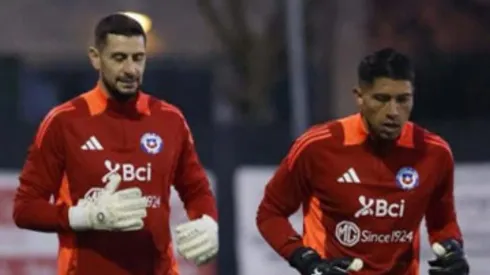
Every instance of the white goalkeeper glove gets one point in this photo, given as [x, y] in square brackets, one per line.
[197, 240]
[109, 210]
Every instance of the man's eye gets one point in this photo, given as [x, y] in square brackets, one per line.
[138, 57]
[403, 99]
[119, 58]
[382, 98]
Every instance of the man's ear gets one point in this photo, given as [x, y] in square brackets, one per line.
[94, 55]
[357, 91]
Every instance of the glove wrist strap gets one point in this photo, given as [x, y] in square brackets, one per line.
[303, 258]
[78, 218]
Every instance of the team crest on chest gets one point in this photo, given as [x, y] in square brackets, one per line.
[151, 143]
[407, 178]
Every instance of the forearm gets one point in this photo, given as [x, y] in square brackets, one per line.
[40, 215]
[441, 221]
[199, 200]
[441, 218]
[278, 232]
[441, 231]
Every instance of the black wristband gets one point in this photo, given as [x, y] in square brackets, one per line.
[303, 258]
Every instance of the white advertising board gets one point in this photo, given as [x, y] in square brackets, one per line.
[255, 257]
[24, 252]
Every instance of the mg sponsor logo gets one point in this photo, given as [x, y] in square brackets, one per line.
[349, 234]
[380, 208]
[128, 171]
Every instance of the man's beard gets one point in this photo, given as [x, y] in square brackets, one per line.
[377, 136]
[115, 93]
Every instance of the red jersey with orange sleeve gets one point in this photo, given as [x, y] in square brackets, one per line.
[361, 202]
[81, 142]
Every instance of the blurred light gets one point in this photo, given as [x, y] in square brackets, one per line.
[144, 20]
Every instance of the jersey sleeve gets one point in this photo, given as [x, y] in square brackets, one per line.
[41, 178]
[191, 181]
[284, 194]
[440, 216]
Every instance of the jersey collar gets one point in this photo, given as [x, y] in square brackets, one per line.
[98, 102]
[356, 132]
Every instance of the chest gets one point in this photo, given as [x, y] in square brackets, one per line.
[356, 183]
[143, 151]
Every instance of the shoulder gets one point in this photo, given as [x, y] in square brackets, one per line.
[330, 134]
[169, 109]
[55, 118]
[63, 111]
[316, 135]
[86, 104]
[166, 110]
[435, 144]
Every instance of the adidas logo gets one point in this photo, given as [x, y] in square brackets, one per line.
[92, 144]
[349, 177]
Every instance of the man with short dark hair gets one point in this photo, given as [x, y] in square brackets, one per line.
[110, 157]
[365, 182]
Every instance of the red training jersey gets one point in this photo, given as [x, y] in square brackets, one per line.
[361, 201]
[79, 143]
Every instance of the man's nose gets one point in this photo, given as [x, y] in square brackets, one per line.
[130, 68]
[393, 110]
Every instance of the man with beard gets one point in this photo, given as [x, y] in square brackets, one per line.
[109, 157]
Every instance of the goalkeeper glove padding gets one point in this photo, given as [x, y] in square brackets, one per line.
[197, 240]
[109, 210]
[308, 262]
[450, 259]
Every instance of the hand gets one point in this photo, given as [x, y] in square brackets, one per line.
[197, 240]
[450, 259]
[337, 266]
[109, 210]
[308, 262]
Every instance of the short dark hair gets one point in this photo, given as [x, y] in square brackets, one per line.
[387, 63]
[118, 24]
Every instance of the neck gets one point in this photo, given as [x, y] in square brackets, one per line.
[374, 139]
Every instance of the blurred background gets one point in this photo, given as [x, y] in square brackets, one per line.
[250, 75]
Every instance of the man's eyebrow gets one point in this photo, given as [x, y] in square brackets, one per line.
[118, 53]
[388, 93]
[126, 54]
